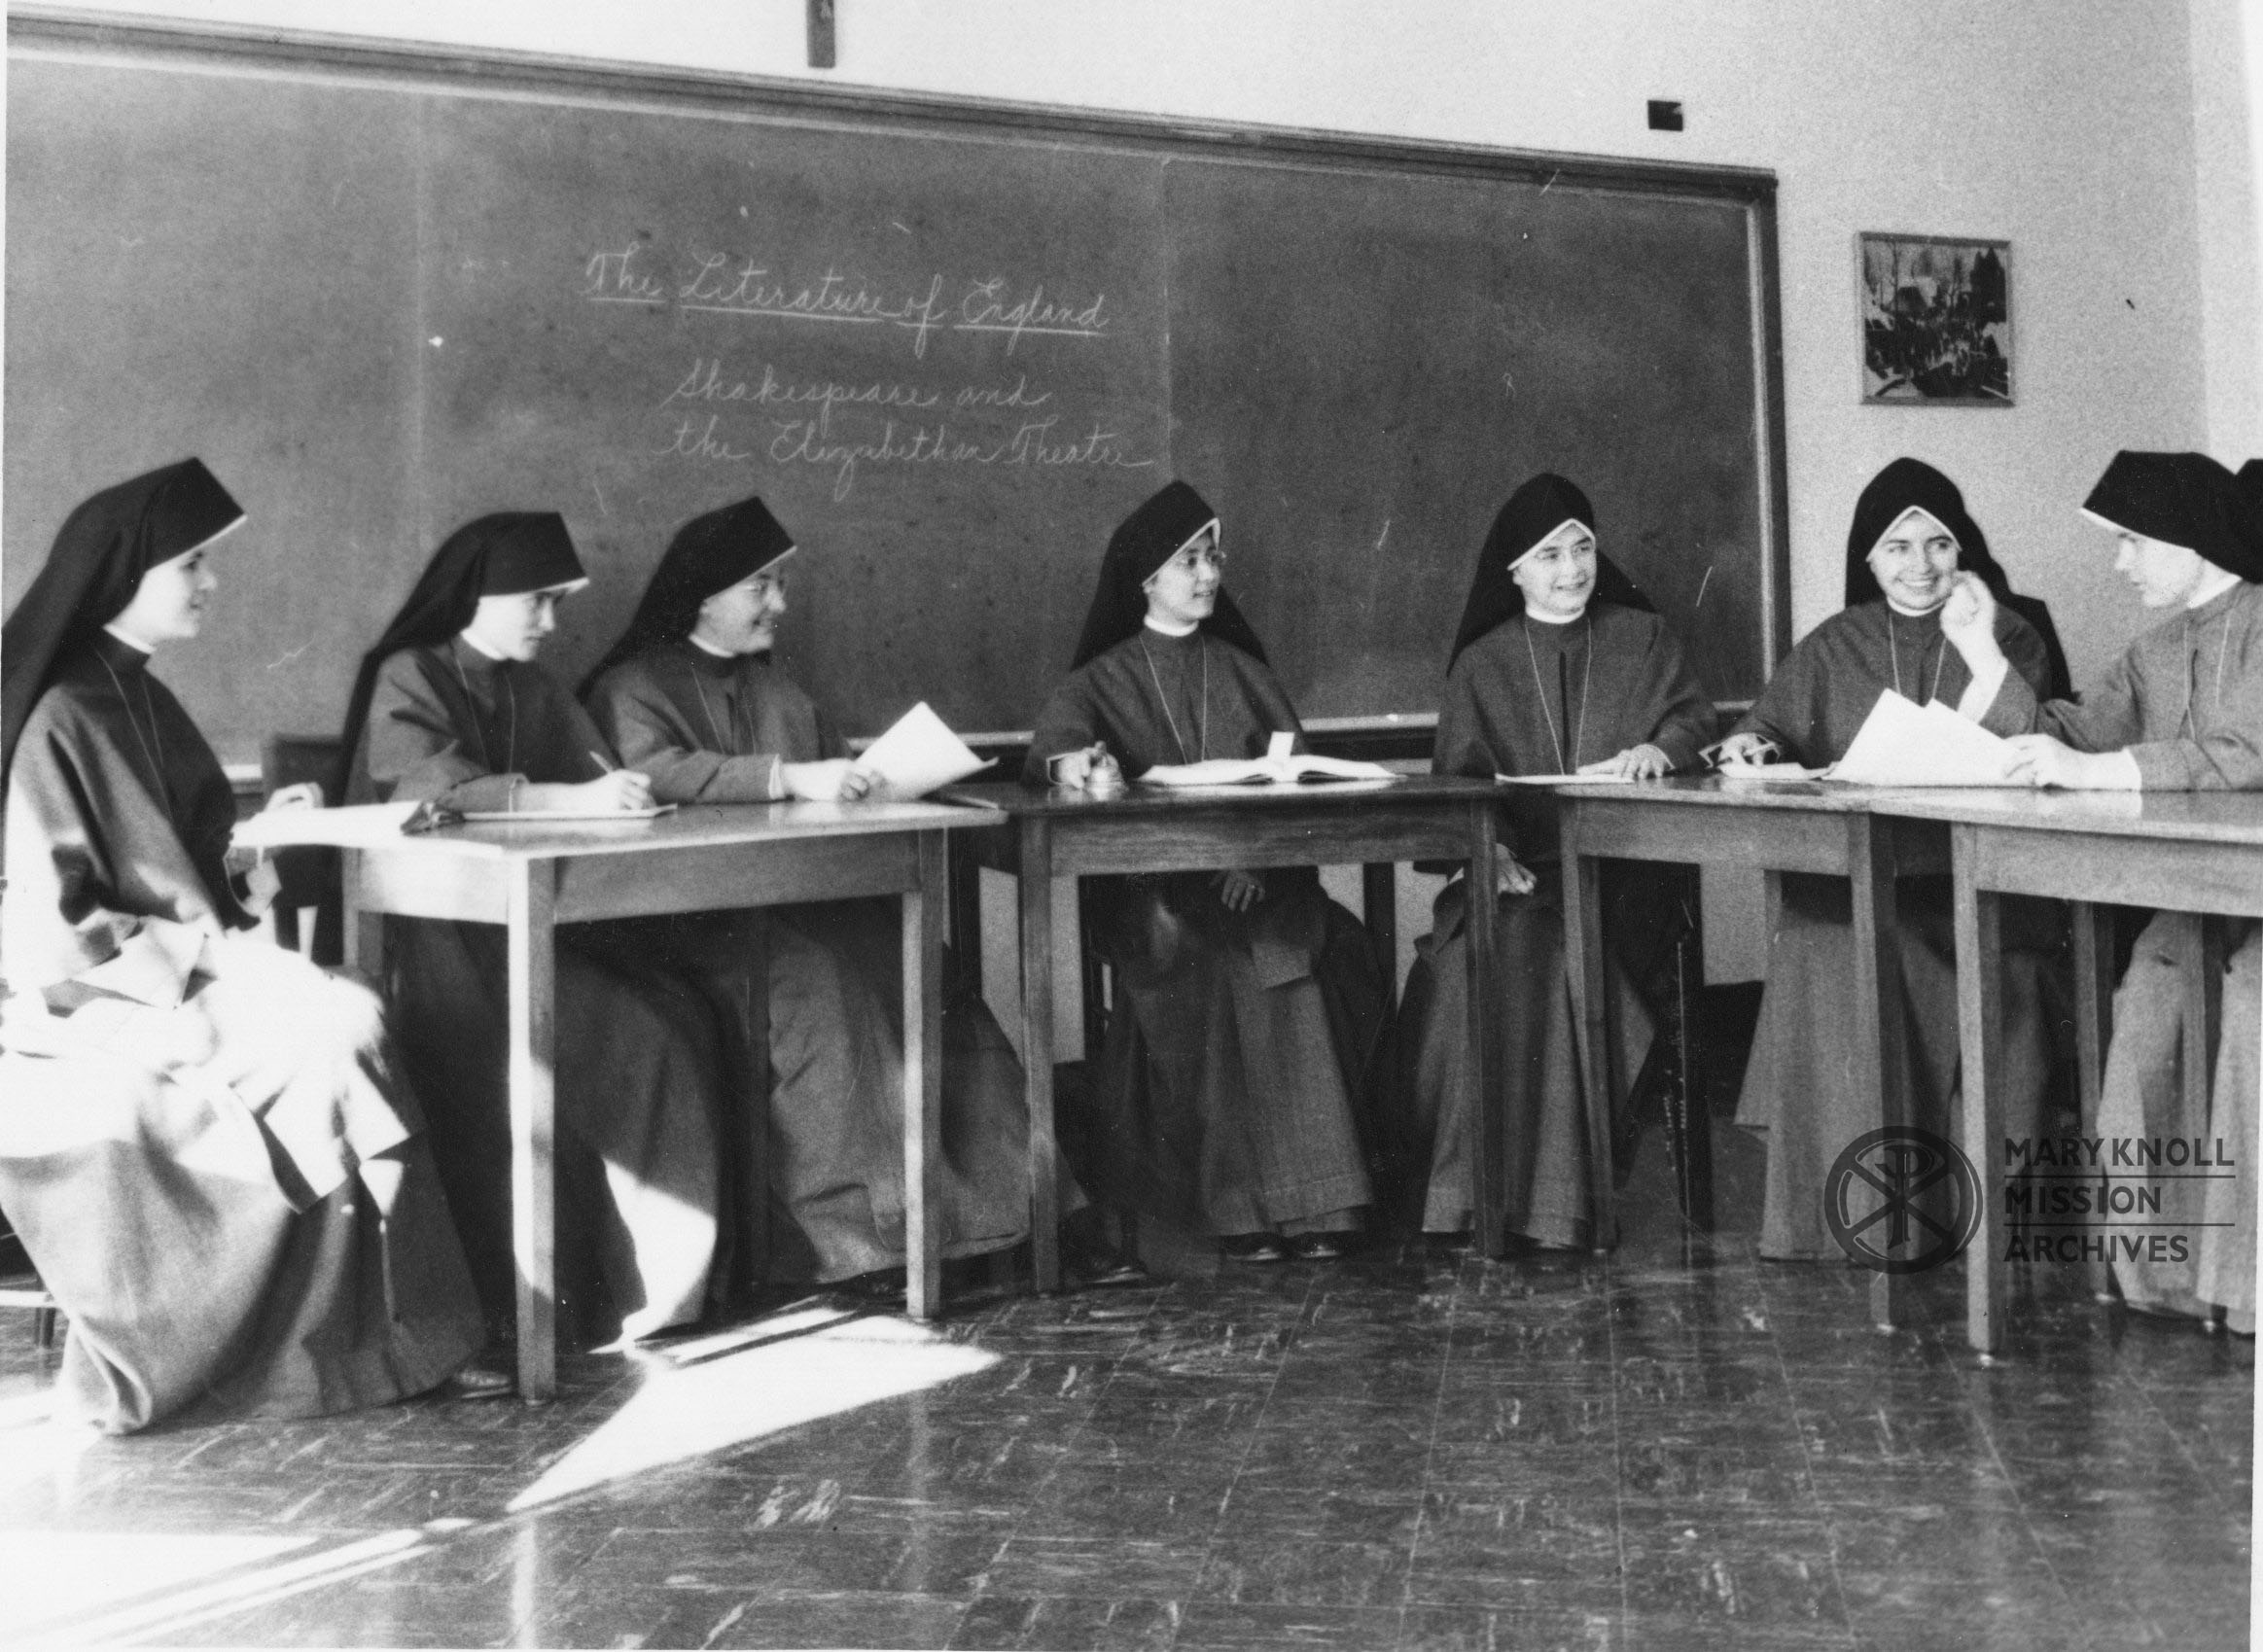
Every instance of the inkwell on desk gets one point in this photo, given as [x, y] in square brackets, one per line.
[1093, 771]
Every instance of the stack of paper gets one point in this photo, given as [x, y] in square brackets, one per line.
[917, 755]
[1901, 744]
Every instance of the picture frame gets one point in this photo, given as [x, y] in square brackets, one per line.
[1936, 319]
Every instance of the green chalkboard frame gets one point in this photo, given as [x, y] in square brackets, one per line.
[366, 62]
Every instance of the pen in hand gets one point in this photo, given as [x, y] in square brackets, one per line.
[603, 767]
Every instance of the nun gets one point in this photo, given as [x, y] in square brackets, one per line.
[1560, 666]
[206, 1143]
[451, 707]
[691, 697]
[2180, 711]
[1910, 538]
[1248, 1005]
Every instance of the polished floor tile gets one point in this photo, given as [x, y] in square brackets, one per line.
[1678, 1447]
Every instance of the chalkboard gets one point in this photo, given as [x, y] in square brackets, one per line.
[381, 291]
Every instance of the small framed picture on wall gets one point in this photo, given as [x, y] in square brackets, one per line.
[1937, 320]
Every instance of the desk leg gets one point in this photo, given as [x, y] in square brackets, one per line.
[1488, 1201]
[1036, 1049]
[2202, 970]
[1584, 975]
[967, 914]
[1879, 1050]
[1379, 906]
[924, 914]
[2093, 1031]
[531, 942]
[362, 937]
[1980, 1042]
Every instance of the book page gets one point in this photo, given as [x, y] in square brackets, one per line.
[916, 754]
[1901, 744]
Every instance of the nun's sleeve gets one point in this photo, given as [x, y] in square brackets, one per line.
[1785, 710]
[1071, 722]
[1461, 746]
[415, 751]
[636, 715]
[1680, 714]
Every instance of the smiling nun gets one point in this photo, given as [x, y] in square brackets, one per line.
[1559, 667]
[206, 1141]
[1910, 542]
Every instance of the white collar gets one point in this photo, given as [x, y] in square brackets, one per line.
[1186, 630]
[2214, 581]
[1556, 618]
[134, 643]
[479, 648]
[1908, 612]
[707, 648]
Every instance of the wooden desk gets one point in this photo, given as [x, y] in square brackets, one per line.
[530, 877]
[1796, 827]
[1055, 833]
[2193, 851]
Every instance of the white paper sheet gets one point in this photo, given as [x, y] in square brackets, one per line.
[1564, 778]
[553, 816]
[1903, 744]
[356, 828]
[918, 754]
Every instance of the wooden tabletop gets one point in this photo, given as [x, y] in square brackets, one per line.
[696, 827]
[2204, 816]
[1012, 797]
[1809, 796]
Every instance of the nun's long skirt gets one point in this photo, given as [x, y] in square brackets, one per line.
[2141, 1100]
[1236, 1052]
[261, 1236]
[1542, 1097]
[639, 1094]
[833, 976]
[1801, 1089]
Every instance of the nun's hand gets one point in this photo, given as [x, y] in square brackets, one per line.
[1238, 890]
[824, 782]
[1637, 762]
[1512, 875]
[1968, 622]
[1750, 746]
[620, 790]
[857, 784]
[2039, 761]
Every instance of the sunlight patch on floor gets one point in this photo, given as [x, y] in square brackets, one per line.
[690, 1410]
[49, 1576]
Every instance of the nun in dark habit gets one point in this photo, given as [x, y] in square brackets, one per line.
[2180, 711]
[206, 1141]
[1910, 537]
[451, 707]
[1560, 667]
[690, 696]
[1247, 1004]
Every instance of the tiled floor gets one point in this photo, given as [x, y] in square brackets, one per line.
[1679, 1448]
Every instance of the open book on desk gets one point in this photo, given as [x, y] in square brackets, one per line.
[1279, 766]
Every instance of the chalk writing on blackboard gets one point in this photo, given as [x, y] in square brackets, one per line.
[730, 284]
[707, 384]
[1033, 447]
